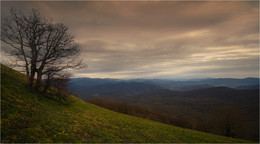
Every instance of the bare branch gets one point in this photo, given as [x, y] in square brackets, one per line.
[43, 46]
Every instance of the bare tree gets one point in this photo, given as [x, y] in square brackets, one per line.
[229, 121]
[58, 83]
[23, 34]
[62, 88]
[59, 50]
[40, 44]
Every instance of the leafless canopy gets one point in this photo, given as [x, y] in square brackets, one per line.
[42, 46]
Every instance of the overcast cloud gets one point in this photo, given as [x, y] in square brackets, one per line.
[159, 39]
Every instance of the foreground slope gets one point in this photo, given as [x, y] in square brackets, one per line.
[28, 117]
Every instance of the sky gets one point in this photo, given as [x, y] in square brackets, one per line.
[159, 39]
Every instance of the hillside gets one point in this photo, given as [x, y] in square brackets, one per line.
[200, 105]
[29, 117]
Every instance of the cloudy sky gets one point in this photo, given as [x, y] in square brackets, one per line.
[159, 39]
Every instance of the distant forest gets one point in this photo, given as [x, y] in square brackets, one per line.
[213, 108]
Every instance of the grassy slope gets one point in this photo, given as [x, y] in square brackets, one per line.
[28, 117]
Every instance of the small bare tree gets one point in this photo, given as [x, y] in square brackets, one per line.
[58, 83]
[40, 44]
[229, 121]
[61, 84]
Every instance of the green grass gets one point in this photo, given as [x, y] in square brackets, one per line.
[28, 117]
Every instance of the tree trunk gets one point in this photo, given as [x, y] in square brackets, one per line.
[33, 71]
[31, 79]
[47, 85]
[38, 81]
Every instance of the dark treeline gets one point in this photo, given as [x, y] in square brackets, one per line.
[223, 120]
[135, 110]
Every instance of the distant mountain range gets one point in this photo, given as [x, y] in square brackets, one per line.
[119, 88]
[193, 99]
[203, 83]
[86, 86]
[175, 97]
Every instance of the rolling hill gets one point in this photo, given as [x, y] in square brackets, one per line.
[82, 86]
[30, 117]
[200, 104]
[119, 89]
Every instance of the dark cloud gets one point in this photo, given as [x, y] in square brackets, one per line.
[159, 39]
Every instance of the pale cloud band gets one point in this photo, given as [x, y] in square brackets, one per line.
[160, 39]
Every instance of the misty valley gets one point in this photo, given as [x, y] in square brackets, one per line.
[202, 104]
